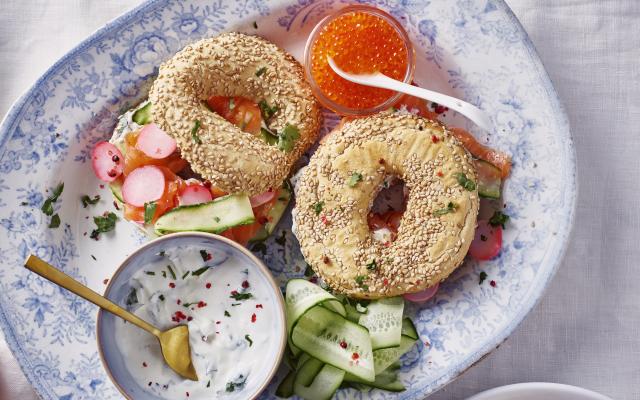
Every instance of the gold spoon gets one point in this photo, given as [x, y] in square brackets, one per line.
[173, 342]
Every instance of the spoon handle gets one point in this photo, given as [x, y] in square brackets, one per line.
[58, 277]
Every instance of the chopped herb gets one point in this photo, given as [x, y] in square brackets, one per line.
[372, 266]
[308, 271]
[317, 207]
[55, 221]
[194, 132]
[164, 274]
[261, 71]
[217, 219]
[235, 304]
[200, 271]
[451, 207]
[86, 200]
[162, 253]
[288, 137]
[132, 298]
[149, 272]
[483, 276]
[268, 136]
[24, 203]
[173, 274]
[185, 274]
[237, 384]
[465, 182]
[266, 110]
[282, 240]
[208, 383]
[248, 339]
[104, 224]
[240, 296]
[47, 207]
[205, 255]
[255, 25]
[226, 313]
[161, 297]
[149, 211]
[187, 305]
[230, 387]
[360, 279]
[355, 178]
[232, 104]
[94, 257]
[499, 218]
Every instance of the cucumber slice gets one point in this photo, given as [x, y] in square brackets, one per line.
[142, 116]
[320, 332]
[384, 358]
[489, 179]
[285, 388]
[116, 190]
[384, 321]
[408, 329]
[387, 380]
[352, 314]
[317, 381]
[275, 213]
[303, 295]
[214, 216]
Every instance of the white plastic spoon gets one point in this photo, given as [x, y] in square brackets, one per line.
[380, 80]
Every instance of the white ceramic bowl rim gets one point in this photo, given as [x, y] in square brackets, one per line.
[538, 389]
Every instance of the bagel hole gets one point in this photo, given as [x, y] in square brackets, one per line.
[385, 215]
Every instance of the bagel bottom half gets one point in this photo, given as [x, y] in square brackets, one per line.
[337, 189]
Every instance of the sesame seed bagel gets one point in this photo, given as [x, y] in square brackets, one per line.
[331, 214]
[227, 65]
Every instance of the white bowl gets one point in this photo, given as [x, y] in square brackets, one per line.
[538, 391]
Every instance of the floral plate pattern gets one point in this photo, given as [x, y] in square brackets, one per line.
[474, 49]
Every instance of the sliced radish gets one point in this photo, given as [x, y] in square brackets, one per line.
[155, 143]
[107, 161]
[487, 242]
[262, 198]
[423, 295]
[194, 194]
[143, 185]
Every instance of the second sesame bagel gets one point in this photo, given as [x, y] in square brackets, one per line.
[337, 189]
[235, 64]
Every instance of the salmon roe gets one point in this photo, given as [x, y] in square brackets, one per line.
[360, 42]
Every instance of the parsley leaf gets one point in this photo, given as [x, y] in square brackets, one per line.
[205, 255]
[149, 211]
[261, 71]
[47, 206]
[104, 224]
[132, 298]
[308, 271]
[355, 178]
[372, 266]
[499, 218]
[269, 136]
[266, 110]
[194, 132]
[360, 279]
[483, 276]
[86, 200]
[317, 207]
[248, 339]
[240, 296]
[226, 313]
[55, 221]
[288, 137]
[451, 207]
[465, 182]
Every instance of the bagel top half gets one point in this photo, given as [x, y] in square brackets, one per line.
[435, 231]
[227, 65]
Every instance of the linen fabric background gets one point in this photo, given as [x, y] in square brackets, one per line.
[586, 329]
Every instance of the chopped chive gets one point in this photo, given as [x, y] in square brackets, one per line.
[194, 132]
[149, 211]
[149, 272]
[255, 25]
[185, 274]
[200, 271]
[483, 276]
[317, 207]
[465, 182]
[173, 274]
[261, 71]
[248, 339]
[86, 200]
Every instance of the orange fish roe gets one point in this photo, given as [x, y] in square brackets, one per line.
[360, 43]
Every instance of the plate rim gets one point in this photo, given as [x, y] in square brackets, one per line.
[554, 256]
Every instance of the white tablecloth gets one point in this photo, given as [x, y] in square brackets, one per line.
[586, 330]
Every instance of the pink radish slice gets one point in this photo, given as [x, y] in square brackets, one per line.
[262, 198]
[487, 242]
[143, 185]
[194, 194]
[155, 143]
[107, 161]
[423, 295]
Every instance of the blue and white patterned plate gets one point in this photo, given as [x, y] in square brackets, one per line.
[475, 49]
